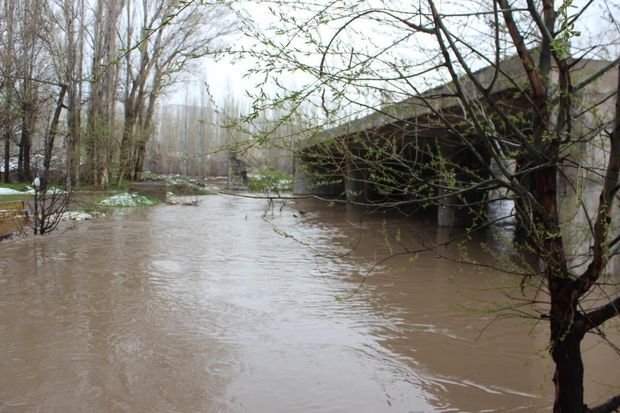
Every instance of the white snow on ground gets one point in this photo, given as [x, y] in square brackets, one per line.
[50, 191]
[9, 191]
[30, 191]
[127, 200]
[77, 216]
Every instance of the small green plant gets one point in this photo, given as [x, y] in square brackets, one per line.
[270, 180]
[149, 176]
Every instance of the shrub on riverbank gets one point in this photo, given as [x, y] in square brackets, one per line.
[270, 180]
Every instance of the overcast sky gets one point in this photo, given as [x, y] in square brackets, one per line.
[226, 77]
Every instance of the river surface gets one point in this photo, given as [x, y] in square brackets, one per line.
[238, 306]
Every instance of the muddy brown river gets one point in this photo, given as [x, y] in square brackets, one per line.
[232, 306]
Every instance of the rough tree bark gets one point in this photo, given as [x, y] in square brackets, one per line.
[51, 136]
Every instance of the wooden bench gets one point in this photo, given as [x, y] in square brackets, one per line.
[13, 216]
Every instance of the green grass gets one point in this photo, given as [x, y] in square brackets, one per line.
[178, 186]
[124, 187]
[203, 191]
[93, 205]
[96, 204]
[15, 197]
[111, 188]
[16, 186]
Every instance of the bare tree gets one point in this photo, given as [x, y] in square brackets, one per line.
[448, 97]
[7, 53]
[70, 67]
[104, 73]
[30, 70]
[49, 207]
[173, 34]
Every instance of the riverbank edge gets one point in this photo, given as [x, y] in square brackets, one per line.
[86, 205]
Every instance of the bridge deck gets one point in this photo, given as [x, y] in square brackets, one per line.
[422, 110]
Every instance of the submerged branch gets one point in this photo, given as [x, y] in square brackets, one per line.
[611, 405]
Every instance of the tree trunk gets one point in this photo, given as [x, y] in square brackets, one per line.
[568, 376]
[73, 140]
[51, 136]
[139, 165]
[126, 143]
[7, 157]
[146, 130]
[25, 144]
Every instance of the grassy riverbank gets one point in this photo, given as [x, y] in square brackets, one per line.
[87, 202]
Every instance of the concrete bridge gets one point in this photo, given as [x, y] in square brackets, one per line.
[426, 150]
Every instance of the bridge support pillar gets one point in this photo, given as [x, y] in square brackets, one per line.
[450, 211]
[355, 183]
[237, 172]
[460, 210]
[302, 182]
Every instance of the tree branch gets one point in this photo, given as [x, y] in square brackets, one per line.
[412, 26]
[596, 75]
[611, 405]
[601, 314]
[526, 57]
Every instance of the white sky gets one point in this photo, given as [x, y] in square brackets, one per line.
[223, 78]
[226, 78]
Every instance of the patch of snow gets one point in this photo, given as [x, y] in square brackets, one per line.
[127, 200]
[30, 191]
[9, 191]
[77, 216]
[56, 191]
[12, 164]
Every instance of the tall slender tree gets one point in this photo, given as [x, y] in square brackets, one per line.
[173, 34]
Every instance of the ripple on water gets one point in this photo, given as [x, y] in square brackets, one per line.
[210, 309]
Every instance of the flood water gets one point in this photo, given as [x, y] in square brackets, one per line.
[231, 306]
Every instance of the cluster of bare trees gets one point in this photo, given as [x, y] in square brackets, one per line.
[81, 79]
[195, 138]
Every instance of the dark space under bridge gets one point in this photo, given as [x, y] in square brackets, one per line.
[425, 152]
